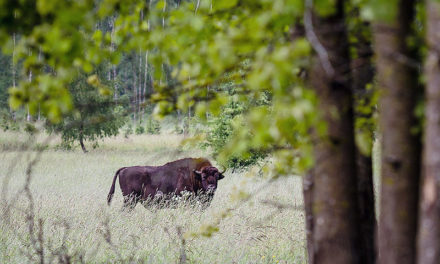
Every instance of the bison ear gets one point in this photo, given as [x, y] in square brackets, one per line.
[220, 176]
[198, 175]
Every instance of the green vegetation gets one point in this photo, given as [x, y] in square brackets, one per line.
[96, 115]
[221, 130]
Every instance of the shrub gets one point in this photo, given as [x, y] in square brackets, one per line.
[30, 129]
[140, 130]
[221, 130]
[153, 126]
[128, 130]
[7, 121]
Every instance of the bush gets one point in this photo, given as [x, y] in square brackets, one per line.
[153, 126]
[30, 129]
[7, 121]
[140, 130]
[128, 130]
[178, 128]
[221, 130]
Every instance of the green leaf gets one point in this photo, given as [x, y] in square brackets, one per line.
[380, 10]
[224, 4]
[45, 7]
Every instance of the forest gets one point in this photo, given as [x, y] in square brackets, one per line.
[325, 115]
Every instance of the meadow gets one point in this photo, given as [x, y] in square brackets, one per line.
[251, 220]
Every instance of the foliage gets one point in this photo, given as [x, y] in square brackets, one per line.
[5, 79]
[140, 130]
[153, 126]
[30, 129]
[128, 130]
[221, 131]
[195, 47]
[210, 51]
[95, 116]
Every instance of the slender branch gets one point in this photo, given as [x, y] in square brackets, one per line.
[314, 41]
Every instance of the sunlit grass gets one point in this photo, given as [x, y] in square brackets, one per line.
[70, 189]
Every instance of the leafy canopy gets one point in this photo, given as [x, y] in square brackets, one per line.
[253, 44]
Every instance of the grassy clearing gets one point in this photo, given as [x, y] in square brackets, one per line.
[70, 189]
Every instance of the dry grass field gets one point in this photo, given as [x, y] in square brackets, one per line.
[71, 222]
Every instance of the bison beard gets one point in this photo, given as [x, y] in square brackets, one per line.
[157, 184]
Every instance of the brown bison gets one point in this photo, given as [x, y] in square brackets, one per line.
[158, 183]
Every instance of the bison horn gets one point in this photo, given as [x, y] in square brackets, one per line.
[224, 170]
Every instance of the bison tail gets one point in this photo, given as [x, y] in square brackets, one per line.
[112, 189]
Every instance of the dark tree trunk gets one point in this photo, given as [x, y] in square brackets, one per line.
[362, 74]
[308, 203]
[81, 139]
[308, 180]
[400, 161]
[336, 231]
[429, 228]
[83, 147]
[367, 214]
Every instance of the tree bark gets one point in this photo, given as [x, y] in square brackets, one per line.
[135, 89]
[367, 214]
[144, 88]
[336, 231]
[400, 161]
[115, 96]
[429, 228]
[28, 115]
[363, 74]
[308, 203]
[113, 67]
[13, 74]
[140, 91]
[81, 139]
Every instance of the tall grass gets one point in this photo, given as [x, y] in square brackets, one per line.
[69, 190]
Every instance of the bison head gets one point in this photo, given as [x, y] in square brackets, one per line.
[209, 177]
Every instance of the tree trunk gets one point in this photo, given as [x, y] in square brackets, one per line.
[429, 228]
[39, 106]
[308, 203]
[141, 90]
[81, 138]
[367, 214]
[126, 90]
[144, 87]
[13, 74]
[115, 95]
[362, 74]
[13, 61]
[336, 231]
[113, 67]
[163, 10]
[28, 116]
[81, 142]
[135, 90]
[400, 146]
[197, 6]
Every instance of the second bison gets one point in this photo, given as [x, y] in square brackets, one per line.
[151, 184]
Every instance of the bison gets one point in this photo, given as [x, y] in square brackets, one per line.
[151, 184]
